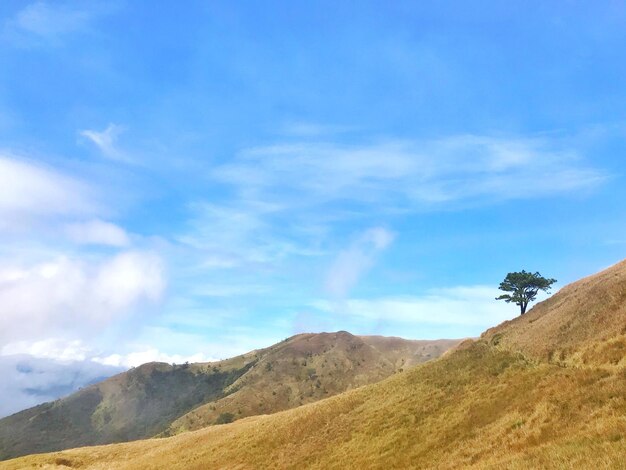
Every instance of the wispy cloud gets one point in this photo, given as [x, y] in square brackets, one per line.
[229, 290]
[470, 307]
[106, 141]
[411, 174]
[49, 348]
[463, 305]
[47, 19]
[32, 191]
[291, 199]
[356, 260]
[48, 23]
[242, 233]
[137, 358]
[97, 232]
[232, 341]
[288, 200]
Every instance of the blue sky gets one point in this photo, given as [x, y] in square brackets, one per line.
[195, 182]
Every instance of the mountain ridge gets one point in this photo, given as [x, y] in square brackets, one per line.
[494, 402]
[323, 364]
[163, 399]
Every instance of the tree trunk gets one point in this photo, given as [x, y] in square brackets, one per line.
[523, 308]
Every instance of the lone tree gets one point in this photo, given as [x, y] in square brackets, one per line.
[523, 288]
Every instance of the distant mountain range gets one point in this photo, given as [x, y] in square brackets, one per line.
[163, 399]
[545, 390]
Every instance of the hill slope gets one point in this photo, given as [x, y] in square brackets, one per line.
[583, 323]
[310, 367]
[489, 404]
[145, 401]
[133, 405]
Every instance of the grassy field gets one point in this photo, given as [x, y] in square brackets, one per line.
[547, 390]
[162, 399]
[310, 367]
[478, 407]
[584, 323]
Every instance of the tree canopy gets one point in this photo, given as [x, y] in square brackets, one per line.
[523, 288]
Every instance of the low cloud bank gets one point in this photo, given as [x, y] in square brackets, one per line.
[29, 381]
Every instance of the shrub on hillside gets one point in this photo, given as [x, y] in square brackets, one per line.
[225, 418]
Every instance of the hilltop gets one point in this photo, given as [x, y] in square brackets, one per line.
[584, 323]
[307, 368]
[506, 400]
[163, 399]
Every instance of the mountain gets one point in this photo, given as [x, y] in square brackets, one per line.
[132, 405]
[158, 398]
[509, 399]
[307, 368]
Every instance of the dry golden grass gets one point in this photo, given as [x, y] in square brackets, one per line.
[161, 399]
[582, 323]
[504, 401]
[307, 368]
[478, 407]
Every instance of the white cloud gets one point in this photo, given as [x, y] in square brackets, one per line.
[97, 232]
[217, 261]
[50, 348]
[106, 141]
[69, 295]
[137, 358]
[379, 237]
[227, 236]
[229, 290]
[51, 20]
[471, 306]
[28, 381]
[218, 340]
[31, 191]
[50, 24]
[410, 174]
[352, 263]
[289, 199]
[128, 277]
[75, 350]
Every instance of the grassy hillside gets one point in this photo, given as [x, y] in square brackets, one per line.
[163, 399]
[307, 368]
[498, 402]
[133, 405]
[479, 406]
[583, 323]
